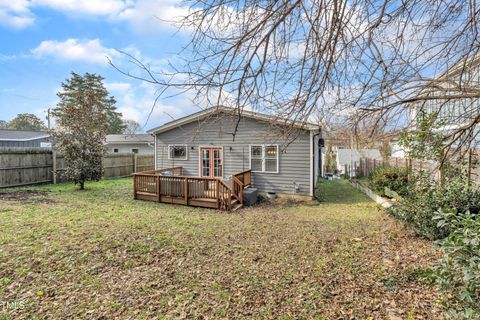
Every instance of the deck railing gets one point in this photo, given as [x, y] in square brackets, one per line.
[170, 186]
[245, 177]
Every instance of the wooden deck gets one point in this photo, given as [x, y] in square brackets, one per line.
[170, 186]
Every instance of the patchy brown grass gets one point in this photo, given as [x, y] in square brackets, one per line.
[98, 254]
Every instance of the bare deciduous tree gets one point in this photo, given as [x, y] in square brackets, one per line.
[131, 126]
[371, 62]
[26, 121]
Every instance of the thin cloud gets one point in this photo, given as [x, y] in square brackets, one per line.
[87, 7]
[15, 14]
[118, 86]
[141, 15]
[153, 16]
[137, 102]
[90, 51]
[5, 57]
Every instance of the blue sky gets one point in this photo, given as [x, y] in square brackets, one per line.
[42, 41]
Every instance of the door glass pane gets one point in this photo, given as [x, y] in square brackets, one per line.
[206, 162]
[217, 163]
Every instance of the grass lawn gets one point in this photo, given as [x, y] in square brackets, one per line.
[99, 254]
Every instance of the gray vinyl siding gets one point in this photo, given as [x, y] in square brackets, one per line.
[23, 144]
[294, 159]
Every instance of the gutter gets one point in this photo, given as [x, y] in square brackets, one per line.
[27, 139]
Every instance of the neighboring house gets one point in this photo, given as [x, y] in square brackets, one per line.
[283, 155]
[130, 143]
[398, 151]
[24, 139]
[351, 157]
[459, 80]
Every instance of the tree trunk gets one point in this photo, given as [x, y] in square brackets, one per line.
[82, 184]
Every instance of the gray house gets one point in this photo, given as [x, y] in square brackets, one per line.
[130, 143]
[282, 154]
[24, 139]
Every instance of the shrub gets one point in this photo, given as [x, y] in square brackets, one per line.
[424, 197]
[392, 178]
[319, 195]
[458, 271]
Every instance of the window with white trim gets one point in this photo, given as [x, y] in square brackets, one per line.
[177, 152]
[264, 158]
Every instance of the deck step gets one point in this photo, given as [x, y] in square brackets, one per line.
[236, 206]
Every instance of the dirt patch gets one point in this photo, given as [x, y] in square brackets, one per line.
[27, 196]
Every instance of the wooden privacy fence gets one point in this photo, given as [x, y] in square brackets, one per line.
[365, 166]
[24, 166]
[468, 165]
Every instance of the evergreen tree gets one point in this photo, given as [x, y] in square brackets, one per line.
[81, 126]
[114, 118]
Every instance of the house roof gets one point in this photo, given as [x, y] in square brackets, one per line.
[245, 114]
[464, 65]
[129, 138]
[346, 156]
[22, 135]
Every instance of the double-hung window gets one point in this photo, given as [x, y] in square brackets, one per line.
[264, 158]
[177, 152]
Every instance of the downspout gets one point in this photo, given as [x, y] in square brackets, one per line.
[154, 151]
[314, 184]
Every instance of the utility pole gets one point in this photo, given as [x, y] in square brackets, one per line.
[54, 153]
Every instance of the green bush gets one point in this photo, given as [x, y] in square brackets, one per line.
[458, 272]
[392, 178]
[319, 195]
[424, 197]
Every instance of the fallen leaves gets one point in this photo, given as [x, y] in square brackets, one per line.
[103, 256]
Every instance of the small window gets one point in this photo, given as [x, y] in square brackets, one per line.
[115, 150]
[264, 158]
[178, 152]
[135, 150]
